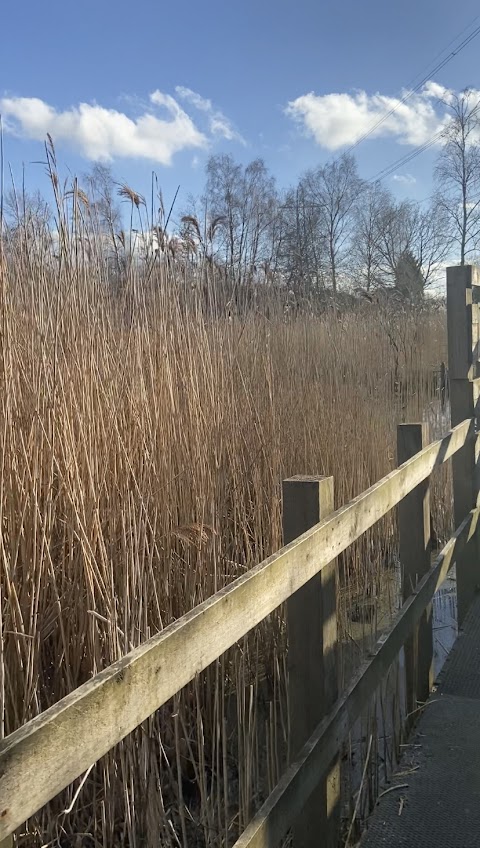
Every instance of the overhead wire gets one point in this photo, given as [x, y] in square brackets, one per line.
[431, 73]
[419, 149]
[404, 160]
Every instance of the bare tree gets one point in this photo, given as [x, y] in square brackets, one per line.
[334, 190]
[22, 208]
[411, 243]
[458, 171]
[102, 193]
[430, 238]
[28, 220]
[303, 257]
[246, 201]
[366, 252]
[395, 236]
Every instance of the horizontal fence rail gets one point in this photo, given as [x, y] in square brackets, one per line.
[286, 801]
[44, 756]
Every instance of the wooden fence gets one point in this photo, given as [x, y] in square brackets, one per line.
[44, 756]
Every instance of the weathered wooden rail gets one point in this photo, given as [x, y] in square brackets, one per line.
[43, 757]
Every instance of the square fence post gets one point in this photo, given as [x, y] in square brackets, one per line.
[415, 560]
[312, 657]
[463, 294]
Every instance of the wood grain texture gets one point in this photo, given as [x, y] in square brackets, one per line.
[462, 323]
[415, 559]
[459, 323]
[312, 656]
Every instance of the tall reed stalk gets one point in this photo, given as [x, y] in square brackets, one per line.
[146, 424]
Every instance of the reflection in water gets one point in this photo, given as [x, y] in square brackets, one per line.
[445, 628]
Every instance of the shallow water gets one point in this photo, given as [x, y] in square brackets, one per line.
[445, 628]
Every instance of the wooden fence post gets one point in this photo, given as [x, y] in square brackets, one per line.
[415, 559]
[312, 657]
[463, 337]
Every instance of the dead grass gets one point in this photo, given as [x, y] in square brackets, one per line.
[144, 437]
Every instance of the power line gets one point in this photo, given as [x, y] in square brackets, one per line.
[440, 53]
[404, 160]
[422, 82]
[390, 169]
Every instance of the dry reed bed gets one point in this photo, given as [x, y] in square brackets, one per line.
[143, 442]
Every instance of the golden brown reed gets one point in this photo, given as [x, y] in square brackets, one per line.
[144, 437]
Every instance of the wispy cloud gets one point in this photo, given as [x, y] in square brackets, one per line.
[336, 120]
[219, 124]
[201, 103]
[162, 129]
[406, 179]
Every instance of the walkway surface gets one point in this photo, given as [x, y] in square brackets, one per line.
[435, 799]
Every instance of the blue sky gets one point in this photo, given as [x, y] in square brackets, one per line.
[164, 86]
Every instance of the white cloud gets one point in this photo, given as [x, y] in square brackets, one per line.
[335, 120]
[406, 179]
[158, 133]
[434, 89]
[219, 124]
[195, 99]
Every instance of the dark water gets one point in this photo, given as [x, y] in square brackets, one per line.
[445, 629]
